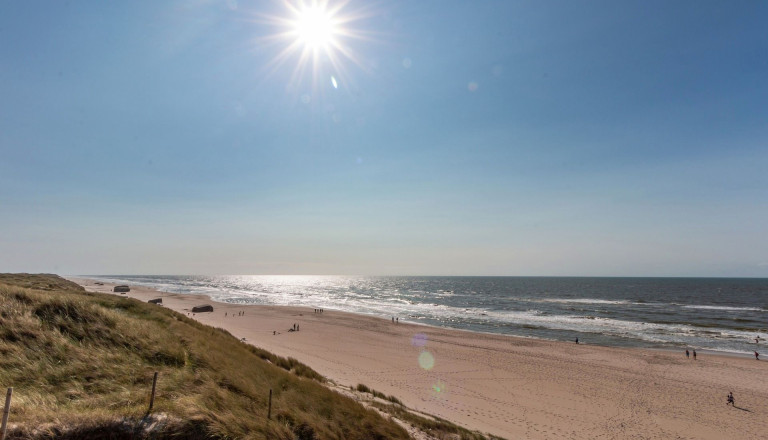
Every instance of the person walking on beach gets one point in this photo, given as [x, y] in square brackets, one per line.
[730, 399]
[694, 354]
[757, 356]
[687, 354]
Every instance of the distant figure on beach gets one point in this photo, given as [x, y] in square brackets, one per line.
[694, 354]
[225, 314]
[730, 399]
[687, 354]
[577, 340]
[757, 356]
[297, 327]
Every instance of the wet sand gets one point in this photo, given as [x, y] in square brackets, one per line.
[510, 387]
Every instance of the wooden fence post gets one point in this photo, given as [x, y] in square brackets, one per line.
[269, 411]
[6, 411]
[152, 399]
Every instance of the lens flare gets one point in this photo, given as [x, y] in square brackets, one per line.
[426, 360]
[439, 387]
[419, 340]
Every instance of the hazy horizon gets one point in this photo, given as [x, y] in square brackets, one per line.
[105, 275]
[492, 138]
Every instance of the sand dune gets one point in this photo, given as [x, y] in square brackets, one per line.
[510, 387]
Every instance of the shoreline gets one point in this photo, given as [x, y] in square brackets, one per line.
[505, 385]
[668, 348]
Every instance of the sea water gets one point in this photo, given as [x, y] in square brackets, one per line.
[719, 314]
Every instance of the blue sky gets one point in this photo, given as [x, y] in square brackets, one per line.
[462, 138]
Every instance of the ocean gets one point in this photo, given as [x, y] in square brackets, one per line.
[718, 314]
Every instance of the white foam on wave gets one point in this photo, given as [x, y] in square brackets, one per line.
[726, 308]
[648, 331]
[581, 301]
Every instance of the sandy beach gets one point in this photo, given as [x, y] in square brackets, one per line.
[506, 386]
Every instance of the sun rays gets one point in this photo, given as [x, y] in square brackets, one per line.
[316, 35]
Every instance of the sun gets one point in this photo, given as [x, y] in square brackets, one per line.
[318, 36]
[315, 27]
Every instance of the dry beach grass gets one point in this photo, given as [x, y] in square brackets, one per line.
[81, 365]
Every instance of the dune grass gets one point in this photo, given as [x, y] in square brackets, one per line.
[41, 281]
[364, 389]
[81, 365]
[435, 427]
